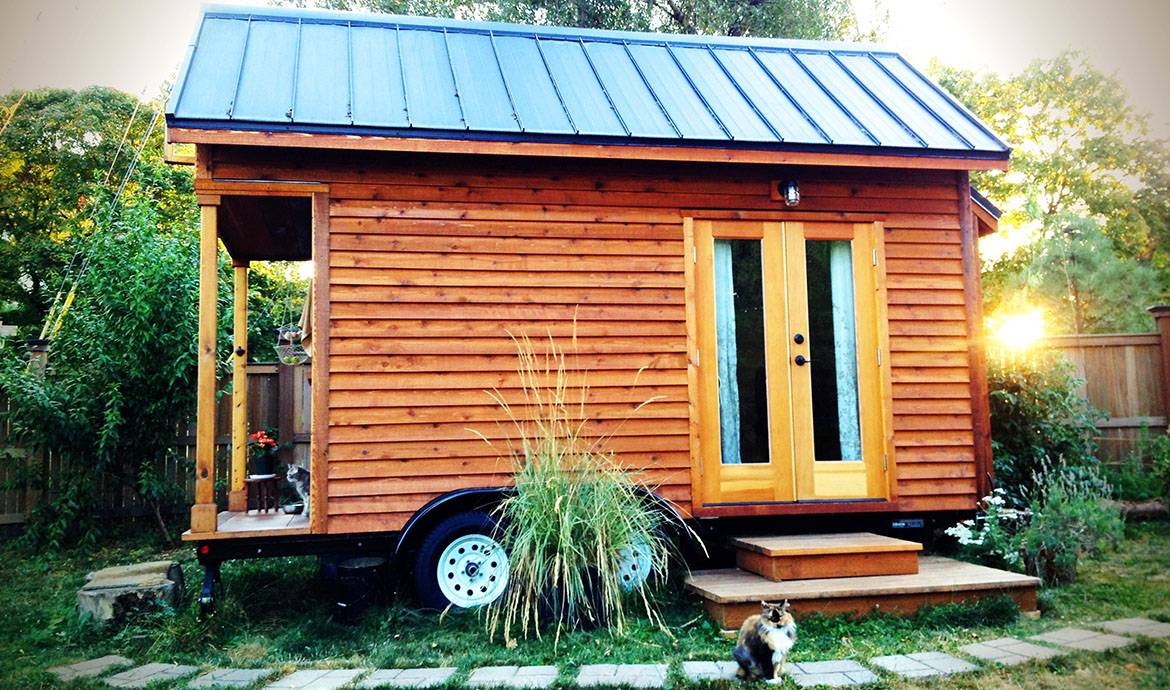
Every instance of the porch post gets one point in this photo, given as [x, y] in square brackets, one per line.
[203, 513]
[237, 496]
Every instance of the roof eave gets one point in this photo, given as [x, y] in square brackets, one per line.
[490, 143]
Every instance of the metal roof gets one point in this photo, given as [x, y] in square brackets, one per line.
[353, 73]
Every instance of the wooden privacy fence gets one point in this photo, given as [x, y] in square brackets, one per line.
[268, 407]
[1128, 377]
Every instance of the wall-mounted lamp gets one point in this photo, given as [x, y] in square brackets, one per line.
[790, 190]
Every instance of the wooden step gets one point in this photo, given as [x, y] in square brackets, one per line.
[732, 595]
[815, 556]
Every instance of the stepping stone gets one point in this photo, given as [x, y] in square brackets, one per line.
[1009, 651]
[112, 592]
[513, 677]
[1088, 640]
[632, 675]
[835, 674]
[923, 664]
[698, 671]
[230, 678]
[316, 679]
[149, 673]
[1143, 627]
[91, 668]
[406, 678]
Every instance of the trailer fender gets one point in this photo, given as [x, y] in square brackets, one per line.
[483, 499]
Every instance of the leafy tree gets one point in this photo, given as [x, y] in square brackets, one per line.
[63, 155]
[120, 380]
[1087, 285]
[1080, 151]
[814, 19]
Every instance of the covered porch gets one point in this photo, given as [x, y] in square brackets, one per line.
[255, 221]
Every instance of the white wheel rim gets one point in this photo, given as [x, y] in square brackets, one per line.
[634, 566]
[473, 571]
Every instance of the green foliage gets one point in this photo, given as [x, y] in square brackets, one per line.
[120, 381]
[1144, 474]
[276, 297]
[1037, 417]
[1067, 518]
[814, 19]
[62, 157]
[1071, 518]
[574, 515]
[1086, 200]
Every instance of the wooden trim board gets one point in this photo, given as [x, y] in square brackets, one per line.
[823, 544]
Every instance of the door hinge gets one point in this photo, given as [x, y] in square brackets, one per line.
[885, 462]
[879, 353]
[875, 257]
[694, 255]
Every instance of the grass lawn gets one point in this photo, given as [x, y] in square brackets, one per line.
[273, 615]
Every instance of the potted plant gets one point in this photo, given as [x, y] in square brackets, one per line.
[264, 451]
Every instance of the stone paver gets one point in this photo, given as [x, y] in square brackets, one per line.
[1088, 640]
[513, 676]
[631, 675]
[923, 664]
[91, 668]
[709, 670]
[835, 674]
[1137, 626]
[406, 678]
[1009, 651]
[230, 677]
[149, 673]
[316, 679]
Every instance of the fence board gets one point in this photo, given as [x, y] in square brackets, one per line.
[18, 498]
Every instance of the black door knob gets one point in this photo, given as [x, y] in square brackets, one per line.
[801, 360]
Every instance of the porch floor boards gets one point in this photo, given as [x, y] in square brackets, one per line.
[731, 595]
[253, 524]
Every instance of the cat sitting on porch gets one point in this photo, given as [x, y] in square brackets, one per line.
[299, 478]
[764, 642]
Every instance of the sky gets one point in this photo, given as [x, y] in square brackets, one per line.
[135, 45]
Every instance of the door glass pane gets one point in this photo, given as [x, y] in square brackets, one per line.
[833, 350]
[739, 331]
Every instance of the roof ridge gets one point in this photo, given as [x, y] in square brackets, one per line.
[358, 18]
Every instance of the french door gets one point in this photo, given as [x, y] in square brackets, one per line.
[789, 330]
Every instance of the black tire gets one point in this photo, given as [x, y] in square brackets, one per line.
[426, 581]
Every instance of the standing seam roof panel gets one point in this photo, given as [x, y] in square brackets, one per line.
[265, 91]
[942, 105]
[675, 93]
[856, 101]
[736, 113]
[485, 100]
[207, 91]
[811, 97]
[430, 86]
[531, 86]
[585, 98]
[377, 80]
[912, 112]
[638, 107]
[323, 75]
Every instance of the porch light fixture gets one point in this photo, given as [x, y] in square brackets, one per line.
[791, 192]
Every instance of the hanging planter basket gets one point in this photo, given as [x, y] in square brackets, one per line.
[289, 349]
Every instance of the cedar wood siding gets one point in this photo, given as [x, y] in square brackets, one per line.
[434, 258]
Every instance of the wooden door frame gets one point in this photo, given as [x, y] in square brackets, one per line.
[695, 404]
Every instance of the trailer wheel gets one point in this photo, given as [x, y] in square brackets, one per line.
[460, 563]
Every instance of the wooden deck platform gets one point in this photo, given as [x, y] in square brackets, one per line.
[732, 595]
[253, 524]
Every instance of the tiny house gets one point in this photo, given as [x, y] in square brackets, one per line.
[776, 238]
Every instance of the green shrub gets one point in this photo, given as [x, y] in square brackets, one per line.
[1066, 518]
[1037, 416]
[1070, 519]
[1144, 474]
[574, 515]
[1156, 451]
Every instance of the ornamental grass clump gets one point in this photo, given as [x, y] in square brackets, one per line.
[575, 515]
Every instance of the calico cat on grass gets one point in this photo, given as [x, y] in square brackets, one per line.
[764, 642]
[299, 478]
